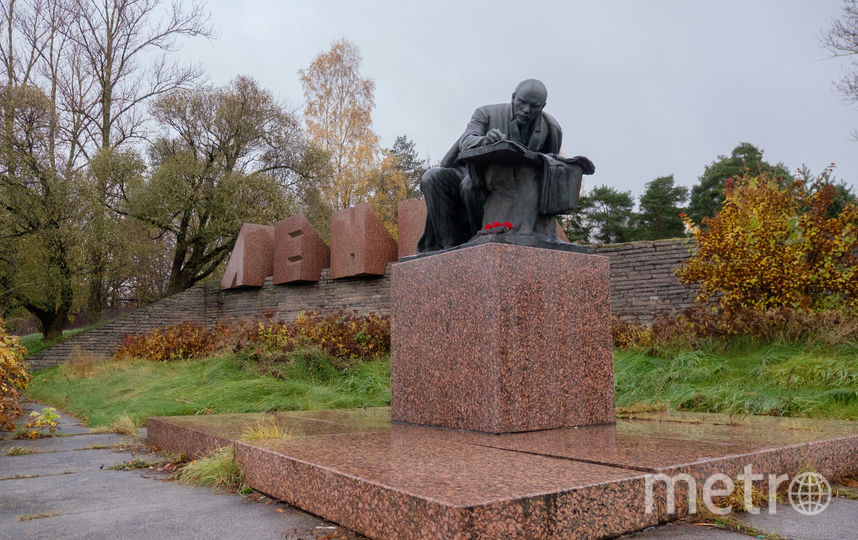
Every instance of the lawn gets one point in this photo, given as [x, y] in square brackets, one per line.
[742, 377]
[100, 392]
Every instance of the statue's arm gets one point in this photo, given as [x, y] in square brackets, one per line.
[555, 138]
[476, 131]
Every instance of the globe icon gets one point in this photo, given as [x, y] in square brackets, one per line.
[809, 493]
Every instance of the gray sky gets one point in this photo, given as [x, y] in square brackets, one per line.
[643, 88]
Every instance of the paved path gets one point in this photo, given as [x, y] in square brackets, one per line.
[838, 521]
[65, 489]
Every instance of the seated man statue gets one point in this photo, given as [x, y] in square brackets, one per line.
[454, 204]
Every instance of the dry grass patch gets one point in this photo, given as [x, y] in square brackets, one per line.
[82, 364]
[19, 451]
[124, 425]
[263, 430]
[642, 407]
[40, 515]
[217, 470]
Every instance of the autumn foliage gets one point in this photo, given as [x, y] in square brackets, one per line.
[343, 335]
[177, 342]
[697, 325]
[774, 247]
[338, 114]
[13, 378]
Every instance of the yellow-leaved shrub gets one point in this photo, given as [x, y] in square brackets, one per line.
[774, 247]
[13, 378]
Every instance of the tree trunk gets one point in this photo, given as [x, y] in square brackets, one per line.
[53, 323]
[96, 298]
[179, 281]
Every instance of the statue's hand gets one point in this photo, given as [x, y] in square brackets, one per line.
[493, 136]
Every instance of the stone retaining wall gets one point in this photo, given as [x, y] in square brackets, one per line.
[642, 284]
[642, 280]
[206, 304]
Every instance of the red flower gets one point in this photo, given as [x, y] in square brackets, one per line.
[507, 224]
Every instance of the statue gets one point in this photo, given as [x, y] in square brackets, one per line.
[504, 167]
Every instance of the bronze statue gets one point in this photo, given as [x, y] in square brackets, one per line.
[504, 166]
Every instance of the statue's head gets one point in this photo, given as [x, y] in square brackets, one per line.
[528, 99]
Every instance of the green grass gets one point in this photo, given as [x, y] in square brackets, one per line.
[33, 342]
[740, 377]
[227, 383]
[744, 377]
[217, 470]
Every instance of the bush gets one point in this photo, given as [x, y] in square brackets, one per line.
[41, 425]
[689, 329]
[342, 335]
[771, 247]
[178, 342]
[13, 378]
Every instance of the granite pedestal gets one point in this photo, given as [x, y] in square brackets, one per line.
[502, 338]
[394, 480]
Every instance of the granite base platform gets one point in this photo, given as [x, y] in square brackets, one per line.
[501, 338]
[392, 480]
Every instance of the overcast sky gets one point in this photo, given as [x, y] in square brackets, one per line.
[643, 88]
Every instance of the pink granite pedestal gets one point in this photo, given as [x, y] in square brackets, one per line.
[502, 338]
[399, 480]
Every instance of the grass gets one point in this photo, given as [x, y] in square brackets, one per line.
[123, 425]
[738, 378]
[132, 464]
[19, 451]
[845, 493]
[743, 377]
[41, 515]
[217, 470]
[305, 379]
[264, 430]
[730, 522]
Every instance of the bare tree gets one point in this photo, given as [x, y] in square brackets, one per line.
[114, 38]
[122, 51]
[842, 41]
[40, 217]
[77, 74]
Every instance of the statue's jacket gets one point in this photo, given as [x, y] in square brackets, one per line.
[560, 181]
[546, 137]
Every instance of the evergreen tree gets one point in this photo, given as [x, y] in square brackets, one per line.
[603, 216]
[409, 163]
[660, 206]
[708, 195]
